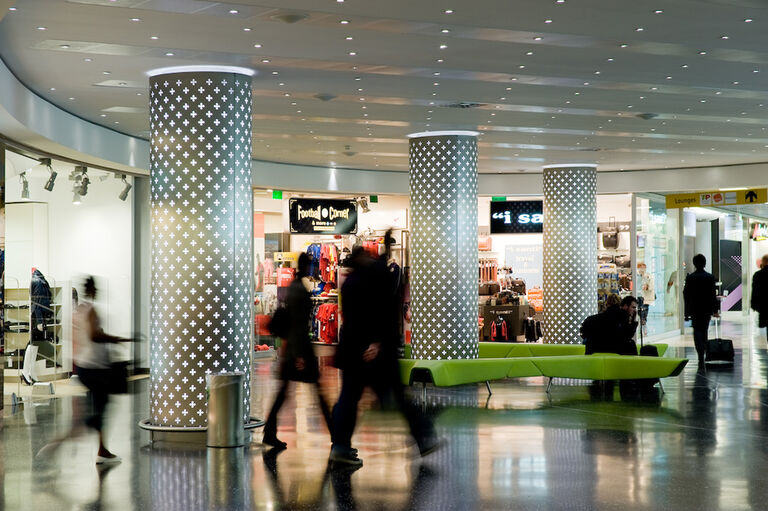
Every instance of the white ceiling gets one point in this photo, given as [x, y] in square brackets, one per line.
[575, 98]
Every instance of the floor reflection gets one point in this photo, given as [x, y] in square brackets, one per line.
[700, 445]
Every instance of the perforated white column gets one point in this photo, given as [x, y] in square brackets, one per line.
[570, 250]
[443, 181]
[202, 239]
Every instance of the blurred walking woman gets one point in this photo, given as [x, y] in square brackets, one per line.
[299, 362]
[93, 365]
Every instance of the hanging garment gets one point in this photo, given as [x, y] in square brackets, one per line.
[499, 330]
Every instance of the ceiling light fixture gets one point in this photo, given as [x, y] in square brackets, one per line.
[748, 20]
[657, 11]
[24, 185]
[135, 19]
[234, 11]
[448, 11]
[127, 188]
[257, 45]
[51, 174]
[547, 21]
[443, 46]
[344, 22]
[42, 28]
[87, 59]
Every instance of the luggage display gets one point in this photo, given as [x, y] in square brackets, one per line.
[718, 349]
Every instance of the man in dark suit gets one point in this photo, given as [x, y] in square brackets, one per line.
[700, 303]
[759, 301]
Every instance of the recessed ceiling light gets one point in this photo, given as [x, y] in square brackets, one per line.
[139, 94]
[11, 8]
[287, 95]
[537, 38]
[735, 83]
[154, 37]
[657, 11]
[610, 60]
[668, 77]
[448, 11]
[597, 72]
[293, 103]
[702, 52]
[560, 1]
[71, 99]
[234, 11]
[436, 83]
[718, 93]
[64, 46]
[623, 45]
[724, 37]
[265, 61]
[106, 72]
[521, 67]
[586, 83]
[352, 53]
[52, 88]
[436, 73]
[169, 54]
[257, 45]
[88, 59]
[103, 115]
[274, 72]
[281, 84]
[42, 28]
[135, 19]
[349, 38]
[639, 29]
[117, 122]
[443, 46]
[445, 31]
[344, 22]
[748, 20]
[440, 61]
[547, 21]
[246, 29]
[529, 53]
[654, 88]
[755, 70]
[357, 78]
[684, 66]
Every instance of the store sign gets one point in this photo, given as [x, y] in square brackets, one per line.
[512, 217]
[323, 216]
[718, 198]
[759, 232]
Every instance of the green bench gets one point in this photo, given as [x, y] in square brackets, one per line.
[511, 360]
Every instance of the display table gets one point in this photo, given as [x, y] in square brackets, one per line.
[514, 315]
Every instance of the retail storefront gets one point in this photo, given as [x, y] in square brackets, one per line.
[62, 222]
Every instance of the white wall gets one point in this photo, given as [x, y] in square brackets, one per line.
[94, 238]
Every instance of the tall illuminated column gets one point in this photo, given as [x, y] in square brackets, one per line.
[570, 250]
[443, 185]
[202, 237]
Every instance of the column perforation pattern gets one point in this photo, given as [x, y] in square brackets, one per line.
[201, 223]
[443, 185]
[570, 251]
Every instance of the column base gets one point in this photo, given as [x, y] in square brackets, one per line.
[176, 436]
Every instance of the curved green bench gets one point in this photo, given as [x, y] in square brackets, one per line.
[511, 360]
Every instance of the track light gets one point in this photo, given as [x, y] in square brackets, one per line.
[363, 203]
[84, 181]
[51, 174]
[24, 186]
[124, 194]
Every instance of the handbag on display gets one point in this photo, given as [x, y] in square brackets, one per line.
[622, 261]
[518, 286]
[610, 234]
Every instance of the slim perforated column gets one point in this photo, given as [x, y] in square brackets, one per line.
[443, 181]
[202, 239]
[570, 250]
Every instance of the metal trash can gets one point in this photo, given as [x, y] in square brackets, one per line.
[225, 410]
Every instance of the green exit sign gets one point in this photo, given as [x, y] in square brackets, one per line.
[373, 199]
[277, 194]
[498, 199]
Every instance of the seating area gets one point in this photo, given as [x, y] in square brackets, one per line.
[513, 360]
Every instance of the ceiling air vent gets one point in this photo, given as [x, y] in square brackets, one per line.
[290, 17]
[464, 104]
[647, 116]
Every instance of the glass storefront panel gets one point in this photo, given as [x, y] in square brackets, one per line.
[656, 268]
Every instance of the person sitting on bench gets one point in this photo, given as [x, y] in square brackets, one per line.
[612, 330]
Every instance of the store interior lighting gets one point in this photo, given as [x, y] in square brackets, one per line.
[76, 198]
[127, 188]
[363, 203]
[80, 187]
[51, 174]
[24, 185]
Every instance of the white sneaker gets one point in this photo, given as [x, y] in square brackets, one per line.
[103, 460]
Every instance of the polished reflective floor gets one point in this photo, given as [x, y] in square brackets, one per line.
[703, 444]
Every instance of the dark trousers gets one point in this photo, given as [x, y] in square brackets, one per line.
[385, 383]
[270, 426]
[700, 327]
[96, 382]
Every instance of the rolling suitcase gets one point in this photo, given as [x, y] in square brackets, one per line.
[718, 349]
